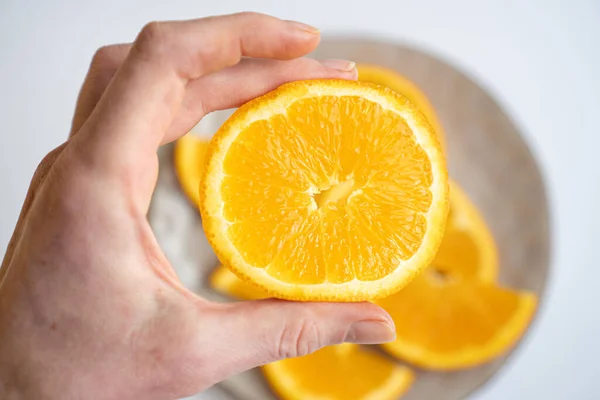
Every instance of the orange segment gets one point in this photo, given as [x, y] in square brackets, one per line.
[256, 156]
[189, 157]
[394, 80]
[453, 315]
[338, 247]
[326, 190]
[450, 325]
[300, 259]
[339, 372]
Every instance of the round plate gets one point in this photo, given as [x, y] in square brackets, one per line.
[486, 156]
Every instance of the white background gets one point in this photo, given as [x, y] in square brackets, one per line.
[540, 59]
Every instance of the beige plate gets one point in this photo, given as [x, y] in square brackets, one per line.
[486, 155]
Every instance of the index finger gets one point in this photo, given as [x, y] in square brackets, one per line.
[143, 99]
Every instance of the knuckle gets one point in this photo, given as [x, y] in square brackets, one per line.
[49, 158]
[152, 31]
[211, 50]
[44, 166]
[152, 38]
[104, 57]
[298, 339]
[219, 48]
[101, 54]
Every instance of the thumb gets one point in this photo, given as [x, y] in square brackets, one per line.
[248, 334]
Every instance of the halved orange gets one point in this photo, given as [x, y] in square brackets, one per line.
[454, 315]
[340, 372]
[394, 80]
[189, 156]
[326, 190]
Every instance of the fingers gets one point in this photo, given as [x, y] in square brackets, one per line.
[146, 93]
[228, 88]
[248, 79]
[255, 333]
[104, 65]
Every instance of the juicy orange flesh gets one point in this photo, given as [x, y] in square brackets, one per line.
[337, 372]
[327, 191]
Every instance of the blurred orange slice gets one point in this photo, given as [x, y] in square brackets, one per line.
[189, 156]
[227, 283]
[341, 372]
[468, 250]
[446, 325]
[392, 79]
[453, 315]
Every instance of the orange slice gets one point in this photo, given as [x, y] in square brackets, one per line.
[189, 157]
[452, 325]
[394, 80]
[453, 315]
[226, 282]
[340, 372]
[326, 190]
[468, 250]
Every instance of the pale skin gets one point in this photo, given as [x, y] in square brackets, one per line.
[90, 308]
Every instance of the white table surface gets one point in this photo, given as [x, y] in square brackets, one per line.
[539, 58]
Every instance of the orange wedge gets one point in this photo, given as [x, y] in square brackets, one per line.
[453, 315]
[340, 372]
[189, 156]
[326, 190]
[445, 325]
[394, 80]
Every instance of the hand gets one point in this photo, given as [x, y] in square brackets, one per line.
[89, 305]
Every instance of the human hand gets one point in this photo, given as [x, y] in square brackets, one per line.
[89, 305]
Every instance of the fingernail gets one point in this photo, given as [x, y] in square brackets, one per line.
[370, 332]
[340, 65]
[304, 27]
